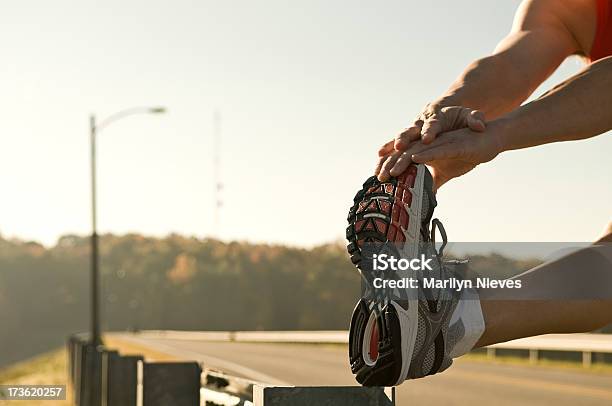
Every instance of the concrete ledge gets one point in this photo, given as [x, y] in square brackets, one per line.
[322, 396]
[171, 383]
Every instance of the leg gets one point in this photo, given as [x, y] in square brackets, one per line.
[587, 289]
[509, 320]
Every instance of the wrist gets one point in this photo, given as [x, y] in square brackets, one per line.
[500, 131]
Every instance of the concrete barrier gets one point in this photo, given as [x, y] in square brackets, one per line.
[171, 383]
[77, 367]
[103, 377]
[77, 346]
[89, 385]
[119, 379]
[219, 389]
[74, 348]
[322, 396]
[106, 376]
[122, 388]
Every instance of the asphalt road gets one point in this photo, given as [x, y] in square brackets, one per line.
[465, 383]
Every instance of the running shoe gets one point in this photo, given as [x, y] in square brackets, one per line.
[392, 339]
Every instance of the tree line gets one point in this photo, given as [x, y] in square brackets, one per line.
[179, 283]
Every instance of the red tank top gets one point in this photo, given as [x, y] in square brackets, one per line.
[602, 44]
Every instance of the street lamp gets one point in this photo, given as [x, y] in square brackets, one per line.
[95, 128]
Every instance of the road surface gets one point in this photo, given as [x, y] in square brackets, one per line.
[465, 383]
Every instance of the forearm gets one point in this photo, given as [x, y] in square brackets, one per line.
[542, 36]
[491, 85]
[576, 109]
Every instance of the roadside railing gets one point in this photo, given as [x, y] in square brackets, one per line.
[585, 344]
[100, 376]
[322, 337]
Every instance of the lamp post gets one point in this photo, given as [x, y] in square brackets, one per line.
[95, 128]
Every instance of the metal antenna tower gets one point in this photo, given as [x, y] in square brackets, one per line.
[218, 203]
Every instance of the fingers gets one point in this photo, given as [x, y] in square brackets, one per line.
[386, 149]
[445, 151]
[396, 155]
[401, 164]
[406, 137]
[475, 121]
[379, 164]
[405, 159]
[452, 118]
[385, 170]
[431, 128]
[399, 143]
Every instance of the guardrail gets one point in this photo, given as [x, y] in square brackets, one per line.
[101, 376]
[314, 337]
[586, 344]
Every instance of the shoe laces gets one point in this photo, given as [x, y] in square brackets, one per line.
[435, 225]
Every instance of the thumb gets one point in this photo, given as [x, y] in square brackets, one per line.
[475, 120]
[432, 128]
[457, 117]
[447, 119]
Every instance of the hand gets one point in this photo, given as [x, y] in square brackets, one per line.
[439, 120]
[457, 152]
[432, 122]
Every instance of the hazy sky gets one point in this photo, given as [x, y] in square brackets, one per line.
[307, 91]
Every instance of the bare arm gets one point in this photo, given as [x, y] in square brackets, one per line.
[542, 36]
[544, 33]
[578, 108]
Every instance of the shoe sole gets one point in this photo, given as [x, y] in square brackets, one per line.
[381, 213]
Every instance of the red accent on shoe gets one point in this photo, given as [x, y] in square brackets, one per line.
[407, 197]
[374, 343]
[385, 207]
[403, 220]
[381, 225]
